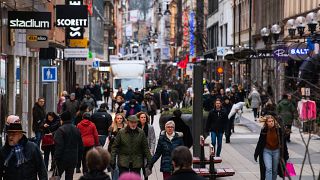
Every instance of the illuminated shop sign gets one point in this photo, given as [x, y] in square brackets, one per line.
[29, 20]
[298, 51]
[71, 16]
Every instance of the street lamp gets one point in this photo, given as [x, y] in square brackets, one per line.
[311, 20]
[167, 11]
[301, 24]
[291, 24]
[265, 32]
[275, 30]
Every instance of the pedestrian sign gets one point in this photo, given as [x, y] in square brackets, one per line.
[96, 64]
[49, 74]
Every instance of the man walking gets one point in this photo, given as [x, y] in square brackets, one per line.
[68, 145]
[39, 115]
[71, 105]
[102, 120]
[131, 147]
[20, 158]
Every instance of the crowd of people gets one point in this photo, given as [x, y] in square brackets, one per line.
[81, 134]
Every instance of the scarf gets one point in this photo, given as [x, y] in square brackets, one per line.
[18, 151]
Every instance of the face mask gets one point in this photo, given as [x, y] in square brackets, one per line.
[132, 105]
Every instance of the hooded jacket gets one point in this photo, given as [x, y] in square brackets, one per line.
[217, 120]
[102, 121]
[32, 169]
[39, 115]
[89, 133]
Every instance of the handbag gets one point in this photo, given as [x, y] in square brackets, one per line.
[47, 140]
[55, 174]
[290, 169]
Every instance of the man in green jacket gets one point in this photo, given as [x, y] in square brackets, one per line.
[286, 110]
[131, 147]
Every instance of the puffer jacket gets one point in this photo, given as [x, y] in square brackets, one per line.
[164, 149]
[89, 133]
[285, 110]
[131, 146]
[32, 169]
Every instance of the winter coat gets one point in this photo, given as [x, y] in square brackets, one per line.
[151, 136]
[72, 106]
[90, 102]
[102, 120]
[138, 96]
[217, 120]
[165, 148]
[68, 145]
[129, 95]
[180, 126]
[149, 106]
[95, 175]
[164, 97]
[131, 146]
[255, 99]
[127, 108]
[79, 94]
[32, 169]
[185, 174]
[89, 133]
[106, 89]
[285, 110]
[39, 115]
[284, 155]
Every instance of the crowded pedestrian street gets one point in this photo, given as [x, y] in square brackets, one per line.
[159, 89]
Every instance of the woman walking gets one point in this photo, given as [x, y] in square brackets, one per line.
[49, 127]
[168, 141]
[149, 132]
[254, 96]
[271, 149]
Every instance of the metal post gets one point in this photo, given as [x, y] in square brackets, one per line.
[197, 116]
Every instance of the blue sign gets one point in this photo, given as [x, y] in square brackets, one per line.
[298, 51]
[95, 64]
[280, 53]
[191, 26]
[49, 74]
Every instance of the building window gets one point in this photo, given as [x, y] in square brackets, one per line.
[213, 6]
[213, 36]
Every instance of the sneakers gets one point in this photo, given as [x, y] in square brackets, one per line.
[78, 170]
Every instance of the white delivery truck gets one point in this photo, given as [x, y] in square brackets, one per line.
[127, 73]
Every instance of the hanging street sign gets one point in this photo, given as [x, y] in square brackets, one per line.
[298, 51]
[280, 53]
[71, 16]
[49, 74]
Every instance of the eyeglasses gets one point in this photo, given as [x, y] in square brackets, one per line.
[169, 127]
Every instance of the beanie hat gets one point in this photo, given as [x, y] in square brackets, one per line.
[66, 116]
[129, 176]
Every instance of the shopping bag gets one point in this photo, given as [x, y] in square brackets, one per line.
[47, 140]
[55, 174]
[106, 144]
[290, 170]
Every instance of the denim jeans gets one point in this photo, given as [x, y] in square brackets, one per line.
[218, 136]
[271, 161]
[38, 137]
[102, 139]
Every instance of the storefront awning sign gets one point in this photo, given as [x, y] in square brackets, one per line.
[71, 16]
[29, 20]
[280, 53]
[298, 51]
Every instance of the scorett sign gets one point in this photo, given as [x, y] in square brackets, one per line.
[29, 20]
[71, 16]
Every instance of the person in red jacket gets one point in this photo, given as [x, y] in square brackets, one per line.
[90, 138]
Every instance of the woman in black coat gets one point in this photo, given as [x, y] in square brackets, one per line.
[49, 127]
[271, 149]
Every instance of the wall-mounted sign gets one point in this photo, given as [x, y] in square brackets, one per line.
[76, 53]
[280, 53]
[49, 74]
[298, 51]
[71, 16]
[80, 43]
[261, 54]
[29, 20]
[74, 32]
[37, 38]
[191, 27]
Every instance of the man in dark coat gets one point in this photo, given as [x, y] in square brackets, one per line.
[68, 144]
[71, 105]
[79, 92]
[216, 124]
[182, 164]
[39, 115]
[102, 120]
[20, 158]
[182, 127]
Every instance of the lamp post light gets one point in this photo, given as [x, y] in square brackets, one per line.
[301, 24]
[265, 33]
[276, 30]
[291, 27]
[311, 20]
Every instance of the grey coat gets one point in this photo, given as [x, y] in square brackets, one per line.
[151, 139]
[255, 99]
